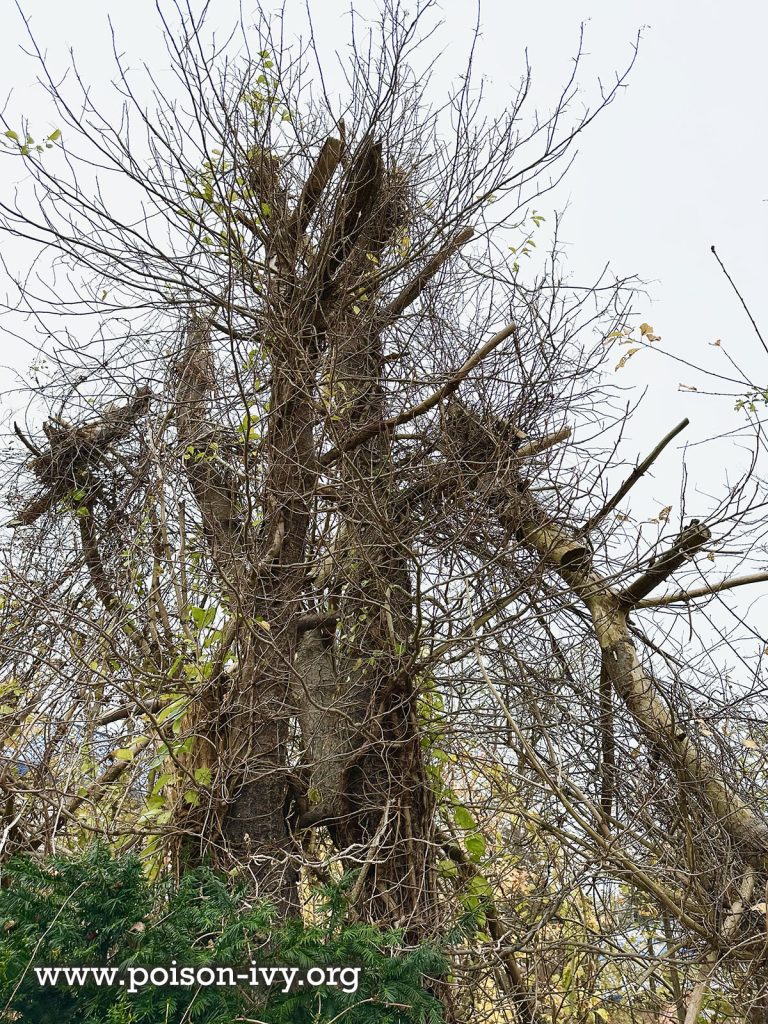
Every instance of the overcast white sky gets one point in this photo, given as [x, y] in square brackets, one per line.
[675, 164]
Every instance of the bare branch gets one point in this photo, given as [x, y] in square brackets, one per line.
[691, 540]
[633, 477]
[683, 596]
[385, 426]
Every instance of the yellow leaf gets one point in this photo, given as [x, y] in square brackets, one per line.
[664, 514]
[123, 754]
[750, 744]
[627, 355]
[646, 329]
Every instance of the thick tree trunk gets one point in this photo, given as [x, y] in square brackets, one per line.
[243, 726]
[359, 717]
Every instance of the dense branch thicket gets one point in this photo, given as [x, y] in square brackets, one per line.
[319, 562]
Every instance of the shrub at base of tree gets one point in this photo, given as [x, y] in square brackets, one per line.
[98, 910]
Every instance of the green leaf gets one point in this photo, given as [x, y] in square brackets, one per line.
[160, 756]
[476, 847]
[203, 776]
[161, 781]
[192, 798]
[447, 868]
[202, 617]
[464, 819]
[12, 135]
[123, 754]
[479, 886]
[55, 136]
[172, 710]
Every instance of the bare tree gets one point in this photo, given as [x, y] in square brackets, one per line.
[315, 564]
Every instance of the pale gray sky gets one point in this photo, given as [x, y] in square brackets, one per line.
[674, 165]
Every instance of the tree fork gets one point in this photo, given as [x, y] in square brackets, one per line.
[561, 551]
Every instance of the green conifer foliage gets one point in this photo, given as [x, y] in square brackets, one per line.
[99, 910]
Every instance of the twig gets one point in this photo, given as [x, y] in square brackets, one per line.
[521, 994]
[633, 477]
[25, 441]
[741, 299]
